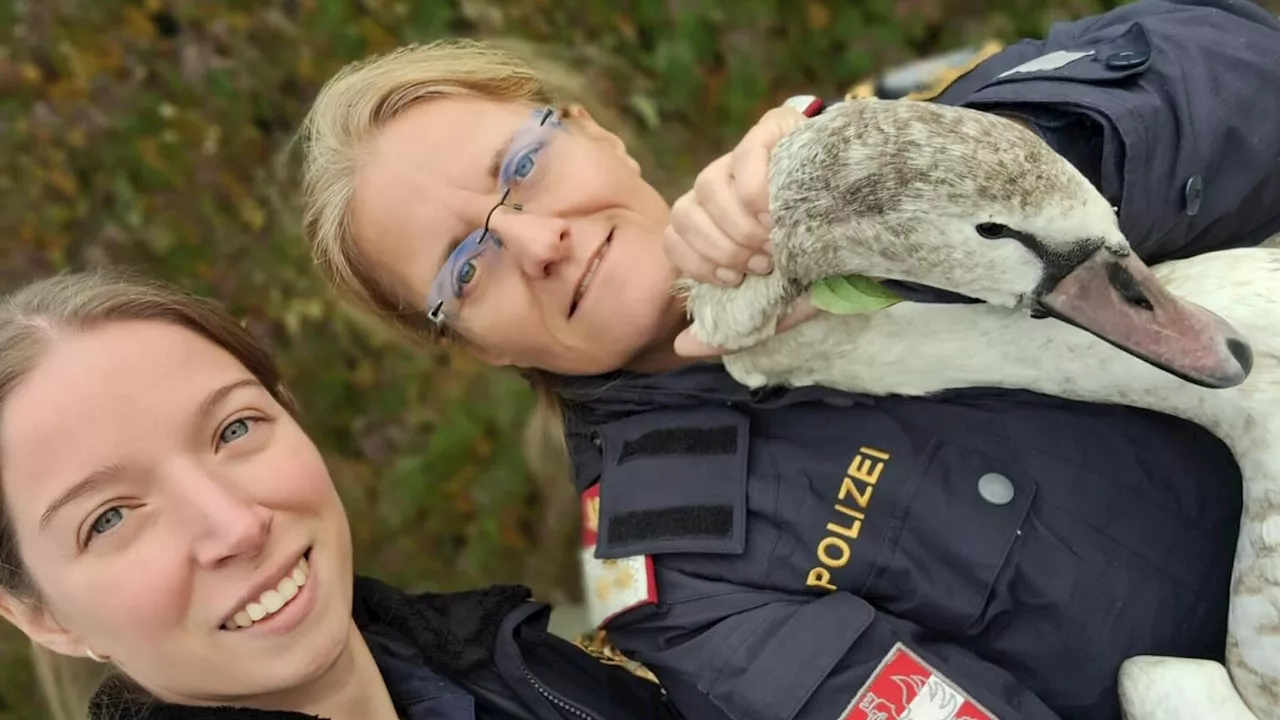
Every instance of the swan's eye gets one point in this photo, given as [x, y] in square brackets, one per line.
[992, 231]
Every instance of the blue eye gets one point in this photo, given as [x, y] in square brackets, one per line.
[525, 164]
[107, 520]
[466, 261]
[234, 431]
[520, 165]
[466, 272]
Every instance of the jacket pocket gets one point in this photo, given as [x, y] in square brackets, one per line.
[955, 533]
[674, 482]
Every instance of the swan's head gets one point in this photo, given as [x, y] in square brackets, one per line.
[975, 204]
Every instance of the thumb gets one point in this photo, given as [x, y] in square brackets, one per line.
[688, 345]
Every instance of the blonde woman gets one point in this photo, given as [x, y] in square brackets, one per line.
[163, 514]
[787, 554]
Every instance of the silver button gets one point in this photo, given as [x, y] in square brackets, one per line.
[1193, 193]
[995, 489]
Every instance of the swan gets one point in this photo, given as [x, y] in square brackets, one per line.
[915, 194]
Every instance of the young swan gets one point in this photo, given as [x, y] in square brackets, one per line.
[921, 194]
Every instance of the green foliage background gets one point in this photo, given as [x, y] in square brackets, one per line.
[151, 133]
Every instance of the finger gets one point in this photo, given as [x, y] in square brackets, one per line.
[689, 346]
[690, 264]
[695, 229]
[750, 159]
[717, 193]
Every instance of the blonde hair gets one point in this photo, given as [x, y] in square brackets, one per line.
[361, 99]
[30, 320]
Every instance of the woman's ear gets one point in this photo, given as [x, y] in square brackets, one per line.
[40, 626]
[581, 119]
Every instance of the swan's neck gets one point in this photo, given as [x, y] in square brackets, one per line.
[914, 349]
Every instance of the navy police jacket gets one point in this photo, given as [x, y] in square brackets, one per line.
[808, 553]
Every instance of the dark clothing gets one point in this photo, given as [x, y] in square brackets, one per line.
[482, 655]
[1168, 117]
[1022, 546]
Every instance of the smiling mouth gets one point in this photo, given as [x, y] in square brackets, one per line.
[274, 599]
[591, 271]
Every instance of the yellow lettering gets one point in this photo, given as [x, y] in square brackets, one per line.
[820, 577]
[835, 550]
[844, 552]
[850, 532]
[847, 488]
[874, 453]
[850, 512]
[865, 470]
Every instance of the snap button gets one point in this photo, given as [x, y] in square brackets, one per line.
[995, 489]
[1126, 59]
[1193, 194]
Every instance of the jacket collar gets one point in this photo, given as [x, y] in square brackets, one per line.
[603, 398]
[451, 633]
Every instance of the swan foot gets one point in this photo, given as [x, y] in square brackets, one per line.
[738, 317]
[1171, 688]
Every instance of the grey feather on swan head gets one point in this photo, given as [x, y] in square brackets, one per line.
[949, 197]
[968, 202]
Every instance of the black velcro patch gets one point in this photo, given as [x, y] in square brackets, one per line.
[682, 441]
[685, 522]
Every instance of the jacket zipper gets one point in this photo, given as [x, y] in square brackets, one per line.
[552, 697]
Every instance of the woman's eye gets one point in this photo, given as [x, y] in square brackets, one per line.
[234, 430]
[522, 166]
[466, 272]
[104, 522]
[467, 265]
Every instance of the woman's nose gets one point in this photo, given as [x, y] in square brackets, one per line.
[229, 524]
[536, 242]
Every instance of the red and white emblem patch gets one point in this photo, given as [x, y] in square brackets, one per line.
[612, 585]
[905, 687]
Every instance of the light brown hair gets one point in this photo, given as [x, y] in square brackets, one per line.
[34, 317]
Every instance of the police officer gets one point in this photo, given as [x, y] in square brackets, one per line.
[812, 554]
[816, 554]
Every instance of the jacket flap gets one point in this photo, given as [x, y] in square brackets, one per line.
[674, 481]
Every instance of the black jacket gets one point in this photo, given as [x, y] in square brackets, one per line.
[491, 644]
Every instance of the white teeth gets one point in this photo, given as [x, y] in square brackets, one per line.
[271, 601]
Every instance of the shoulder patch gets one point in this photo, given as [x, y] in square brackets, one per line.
[905, 687]
[611, 585]
[1050, 61]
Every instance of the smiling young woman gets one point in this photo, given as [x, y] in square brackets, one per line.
[164, 512]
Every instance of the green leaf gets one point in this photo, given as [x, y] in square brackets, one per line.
[851, 294]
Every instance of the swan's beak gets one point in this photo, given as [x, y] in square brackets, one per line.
[1119, 299]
